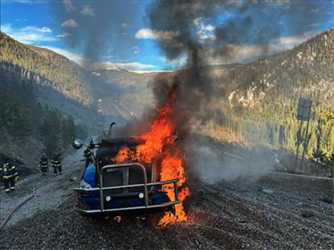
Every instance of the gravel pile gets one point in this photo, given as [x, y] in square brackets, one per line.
[265, 214]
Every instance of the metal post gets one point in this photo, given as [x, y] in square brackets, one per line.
[297, 151]
[176, 193]
[101, 191]
[146, 195]
[305, 144]
[303, 114]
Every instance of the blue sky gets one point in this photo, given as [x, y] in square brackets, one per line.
[129, 42]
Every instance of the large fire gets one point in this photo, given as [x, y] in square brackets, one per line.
[159, 144]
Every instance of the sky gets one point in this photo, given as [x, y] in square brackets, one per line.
[118, 34]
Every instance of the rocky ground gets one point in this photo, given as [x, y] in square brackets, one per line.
[46, 197]
[276, 211]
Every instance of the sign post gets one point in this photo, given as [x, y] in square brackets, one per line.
[303, 114]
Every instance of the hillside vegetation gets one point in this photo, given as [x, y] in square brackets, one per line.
[23, 118]
[260, 98]
[46, 68]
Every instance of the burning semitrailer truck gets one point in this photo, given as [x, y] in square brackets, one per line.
[136, 174]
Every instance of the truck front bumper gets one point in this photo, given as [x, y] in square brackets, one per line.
[98, 200]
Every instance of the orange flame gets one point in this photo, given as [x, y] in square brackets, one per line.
[172, 168]
[160, 138]
[118, 218]
[161, 129]
[124, 154]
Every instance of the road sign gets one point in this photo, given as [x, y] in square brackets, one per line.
[304, 109]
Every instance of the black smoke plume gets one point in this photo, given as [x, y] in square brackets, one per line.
[245, 23]
[95, 27]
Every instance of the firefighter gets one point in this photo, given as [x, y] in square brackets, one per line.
[60, 156]
[9, 175]
[88, 154]
[56, 163]
[44, 164]
[91, 144]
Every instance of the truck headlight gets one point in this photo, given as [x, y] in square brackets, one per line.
[85, 185]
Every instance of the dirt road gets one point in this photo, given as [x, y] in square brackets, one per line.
[270, 213]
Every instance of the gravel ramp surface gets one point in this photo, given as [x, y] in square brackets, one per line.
[264, 214]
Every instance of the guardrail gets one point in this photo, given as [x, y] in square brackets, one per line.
[145, 185]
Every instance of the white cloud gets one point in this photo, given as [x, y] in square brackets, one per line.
[156, 35]
[21, 20]
[65, 34]
[70, 23]
[280, 3]
[131, 66]
[151, 71]
[29, 34]
[20, 1]
[135, 50]
[124, 26]
[209, 27]
[197, 21]
[167, 37]
[68, 5]
[36, 29]
[205, 32]
[88, 11]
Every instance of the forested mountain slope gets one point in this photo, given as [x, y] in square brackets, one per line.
[45, 104]
[46, 68]
[29, 128]
[260, 98]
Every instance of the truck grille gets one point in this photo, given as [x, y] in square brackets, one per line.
[123, 176]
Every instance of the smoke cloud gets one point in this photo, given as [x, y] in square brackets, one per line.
[229, 23]
[244, 23]
[213, 29]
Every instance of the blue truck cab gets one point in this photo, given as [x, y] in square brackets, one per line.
[107, 187]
